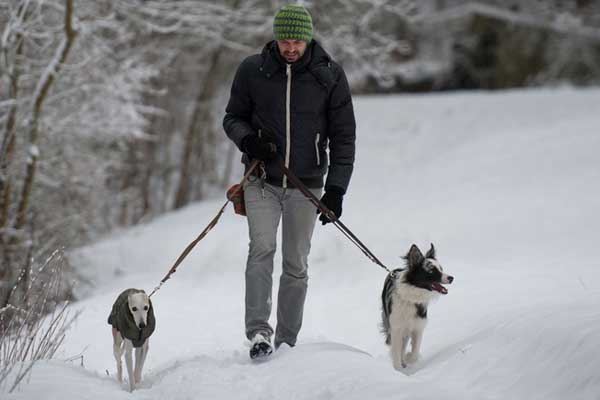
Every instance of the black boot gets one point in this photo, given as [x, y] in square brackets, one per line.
[261, 346]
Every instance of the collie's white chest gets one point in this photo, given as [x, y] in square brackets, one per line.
[404, 318]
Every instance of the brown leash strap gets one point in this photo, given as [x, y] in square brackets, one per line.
[210, 225]
[331, 215]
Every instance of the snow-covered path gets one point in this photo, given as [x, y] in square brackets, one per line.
[504, 184]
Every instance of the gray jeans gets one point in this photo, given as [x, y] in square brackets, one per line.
[298, 215]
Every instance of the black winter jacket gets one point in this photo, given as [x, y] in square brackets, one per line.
[121, 319]
[321, 115]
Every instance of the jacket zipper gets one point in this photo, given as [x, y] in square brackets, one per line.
[317, 149]
[288, 135]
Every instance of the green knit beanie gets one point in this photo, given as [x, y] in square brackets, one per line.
[293, 23]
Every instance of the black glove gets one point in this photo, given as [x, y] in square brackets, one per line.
[332, 199]
[259, 148]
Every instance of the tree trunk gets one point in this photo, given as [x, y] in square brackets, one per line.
[46, 81]
[128, 185]
[200, 127]
[44, 85]
[146, 180]
[7, 269]
[8, 140]
[7, 151]
[148, 167]
[197, 127]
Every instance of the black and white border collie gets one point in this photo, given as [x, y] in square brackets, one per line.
[405, 297]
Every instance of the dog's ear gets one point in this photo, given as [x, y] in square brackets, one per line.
[414, 257]
[431, 252]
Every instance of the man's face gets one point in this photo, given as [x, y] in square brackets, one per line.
[291, 50]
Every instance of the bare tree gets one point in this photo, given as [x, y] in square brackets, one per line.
[41, 92]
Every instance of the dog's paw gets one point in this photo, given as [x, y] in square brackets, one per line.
[399, 366]
[412, 357]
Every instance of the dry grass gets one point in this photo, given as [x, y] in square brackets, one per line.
[31, 332]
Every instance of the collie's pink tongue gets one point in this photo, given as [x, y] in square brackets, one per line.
[439, 288]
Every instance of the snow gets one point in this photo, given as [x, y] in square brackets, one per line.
[34, 151]
[505, 184]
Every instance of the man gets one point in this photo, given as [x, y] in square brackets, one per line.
[288, 104]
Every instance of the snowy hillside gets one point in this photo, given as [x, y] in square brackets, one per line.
[506, 185]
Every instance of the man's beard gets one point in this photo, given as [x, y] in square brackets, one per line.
[291, 56]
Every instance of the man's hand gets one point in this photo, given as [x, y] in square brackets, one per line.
[332, 199]
[259, 148]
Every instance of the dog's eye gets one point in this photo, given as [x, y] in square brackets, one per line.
[134, 309]
[145, 308]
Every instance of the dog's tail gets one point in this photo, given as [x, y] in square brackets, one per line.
[386, 304]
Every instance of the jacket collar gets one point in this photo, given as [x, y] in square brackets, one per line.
[273, 62]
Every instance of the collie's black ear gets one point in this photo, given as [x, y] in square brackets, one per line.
[431, 252]
[414, 257]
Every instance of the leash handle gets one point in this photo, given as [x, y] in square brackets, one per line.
[208, 228]
[331, 215]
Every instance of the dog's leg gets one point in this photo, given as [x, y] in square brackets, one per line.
[399, 344]
[140, 358]
[415, 345]
[129, 363]
[395, 344]
[139, 362]
[403, 348]
[137, 372]
[118, 352]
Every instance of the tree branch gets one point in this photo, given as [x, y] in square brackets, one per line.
[39, 96]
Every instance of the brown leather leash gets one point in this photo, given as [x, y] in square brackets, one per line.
[307, 193]
[210, 225]
[331, 215]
